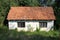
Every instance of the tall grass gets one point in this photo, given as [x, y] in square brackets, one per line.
[6, 34]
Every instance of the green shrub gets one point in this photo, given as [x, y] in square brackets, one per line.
[37, 29]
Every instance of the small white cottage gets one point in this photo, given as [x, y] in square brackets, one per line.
[31, 18]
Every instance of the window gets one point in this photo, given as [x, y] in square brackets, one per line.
[43, 24]
[21, 24]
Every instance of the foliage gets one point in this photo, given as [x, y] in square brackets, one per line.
[29, 3]
[6, 34]
[14, 3]
[37, 29]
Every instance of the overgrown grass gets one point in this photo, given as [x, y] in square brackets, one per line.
[6, 34]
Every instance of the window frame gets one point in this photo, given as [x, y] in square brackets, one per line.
[21, 24]
[43, 24]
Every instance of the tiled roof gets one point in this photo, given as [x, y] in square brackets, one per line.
[31, 13]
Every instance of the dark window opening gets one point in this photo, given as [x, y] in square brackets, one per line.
[43, 24]
[21, 24]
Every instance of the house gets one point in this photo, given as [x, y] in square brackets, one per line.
[31, 18]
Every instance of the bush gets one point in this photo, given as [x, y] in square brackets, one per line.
[37, 29]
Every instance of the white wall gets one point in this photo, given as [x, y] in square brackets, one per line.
[12, 24]
[33, 24]
[50, 24]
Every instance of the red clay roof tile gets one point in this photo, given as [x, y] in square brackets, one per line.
[31, 13]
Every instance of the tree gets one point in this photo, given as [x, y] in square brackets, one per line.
[14, 3]
[4, 8]
[46, 2]
[29, 3]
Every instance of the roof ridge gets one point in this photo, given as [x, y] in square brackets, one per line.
[30, 6]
